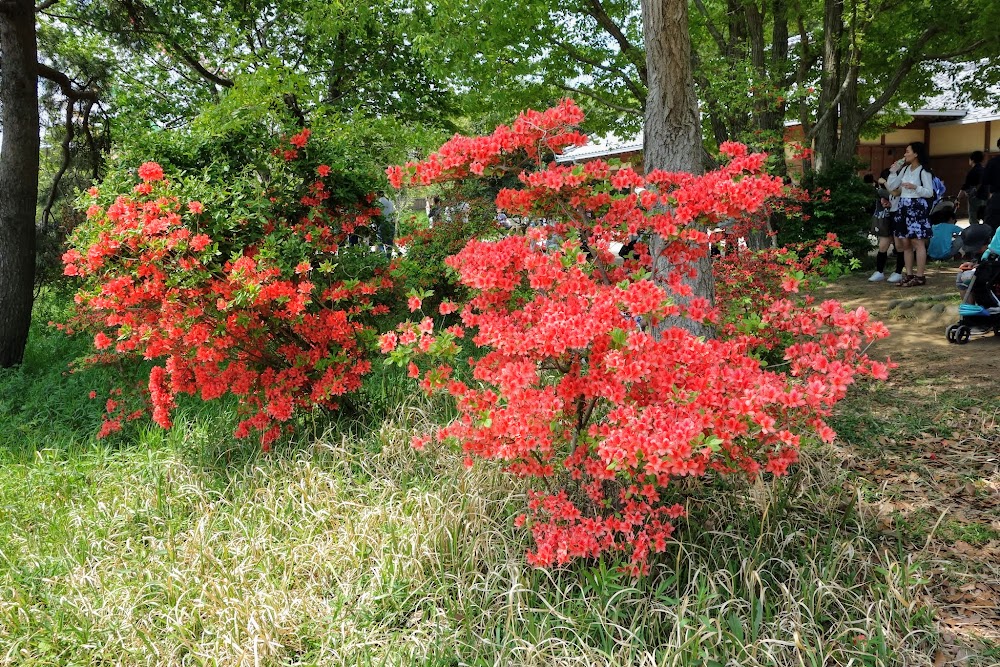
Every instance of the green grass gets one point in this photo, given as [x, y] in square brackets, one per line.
[346, 547]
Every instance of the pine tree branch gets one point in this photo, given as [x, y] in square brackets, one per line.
[65, 84]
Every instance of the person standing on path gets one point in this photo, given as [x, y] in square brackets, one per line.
[991, 186]
[916, 184]
[889, 205]
[972, 188]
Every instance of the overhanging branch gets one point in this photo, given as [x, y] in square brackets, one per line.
[948, 55]
[579, 56]
[597, 98]
[597, 12]
[905, 67]
[73, 95]
[65, 84]
[720, 41]
[63, 166]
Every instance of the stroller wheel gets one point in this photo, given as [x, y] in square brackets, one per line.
[962, 335]
[950, 333]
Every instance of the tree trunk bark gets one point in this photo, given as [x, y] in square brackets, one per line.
[826, 133]
[18, 176]
[850, 118]
[672, 130]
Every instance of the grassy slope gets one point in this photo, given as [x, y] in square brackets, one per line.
[348, 548]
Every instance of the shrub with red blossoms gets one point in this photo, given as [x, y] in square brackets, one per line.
[270, 307]
[577, 388]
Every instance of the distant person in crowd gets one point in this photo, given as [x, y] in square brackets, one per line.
[974, 240]
[434, 212]
[972, 188]
[387, 225]
[944, 241]
[991, 187]
[886, 209]
[915, 181]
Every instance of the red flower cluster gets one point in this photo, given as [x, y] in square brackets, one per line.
[579, 386]
[262, 326]
[532, 134]
[150, 172]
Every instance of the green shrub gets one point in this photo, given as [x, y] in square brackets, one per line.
[838, 202]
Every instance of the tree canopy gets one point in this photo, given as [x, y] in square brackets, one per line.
[115, 73]
[757, 63]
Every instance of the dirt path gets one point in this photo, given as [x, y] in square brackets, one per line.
[917, 318]
[925, 455]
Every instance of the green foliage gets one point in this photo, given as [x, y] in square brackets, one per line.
[467, 210]
[517, 54]
[45, 401]
[838, 202]
[422, 268]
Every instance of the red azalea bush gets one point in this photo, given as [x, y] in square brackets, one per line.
[746, 282]
[581, 387]
[260, 307]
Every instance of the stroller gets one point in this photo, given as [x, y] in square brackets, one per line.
[980, 309]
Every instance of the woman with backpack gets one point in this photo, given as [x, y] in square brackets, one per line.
[912, 227]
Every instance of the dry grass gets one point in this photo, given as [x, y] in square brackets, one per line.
[356, 550]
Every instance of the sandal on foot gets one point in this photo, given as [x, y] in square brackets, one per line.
[915, 281]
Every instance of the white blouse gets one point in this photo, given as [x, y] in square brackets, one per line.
[918, 176]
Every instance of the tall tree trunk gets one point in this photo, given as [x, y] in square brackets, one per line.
[828, 113]
[772, 122]
[850, 117]
[18, 175]
[672, 130]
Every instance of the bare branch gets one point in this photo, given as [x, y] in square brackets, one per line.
[955, 54]
[905, 67]
[194, 64]
[65, 84]
[63, 166]
[143, 16]
[800, 75]
[91, 142]
[292, 104]
[830, 108]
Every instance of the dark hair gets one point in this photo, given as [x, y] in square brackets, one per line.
[920, 149]
[976, 156]
[869, 178]
[885, 173]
